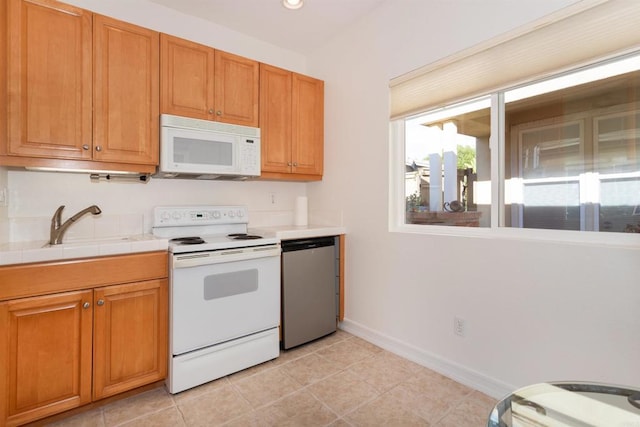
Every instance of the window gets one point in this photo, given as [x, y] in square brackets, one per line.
[525, 144]
[448, 165]
[571, 155]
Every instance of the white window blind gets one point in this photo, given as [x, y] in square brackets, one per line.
[588, 31]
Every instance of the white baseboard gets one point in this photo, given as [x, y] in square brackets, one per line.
[455, 371]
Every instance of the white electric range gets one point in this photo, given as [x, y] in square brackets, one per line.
[224, 293]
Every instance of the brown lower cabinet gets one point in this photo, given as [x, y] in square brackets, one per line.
[63, 350]
[48, 349]
[129, 336]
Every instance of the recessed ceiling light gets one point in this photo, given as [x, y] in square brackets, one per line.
[292, 4]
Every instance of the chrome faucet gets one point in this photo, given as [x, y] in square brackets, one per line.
[58, 229]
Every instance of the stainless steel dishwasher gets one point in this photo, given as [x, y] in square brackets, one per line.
[309, 275]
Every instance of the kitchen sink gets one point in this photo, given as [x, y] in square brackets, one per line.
[37, 251]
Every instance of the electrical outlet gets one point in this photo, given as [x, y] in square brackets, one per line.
[459, 326]
[272, 198]
[4, 197]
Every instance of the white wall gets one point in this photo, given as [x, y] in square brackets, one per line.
[534, 311]
[169, 21]
[34, 196]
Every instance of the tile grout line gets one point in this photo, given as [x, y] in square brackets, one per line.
[146, 414]
[304, 387]
[315, 349]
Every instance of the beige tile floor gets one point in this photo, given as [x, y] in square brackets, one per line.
[340, 380]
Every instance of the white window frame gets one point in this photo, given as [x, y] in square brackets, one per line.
[497, 227]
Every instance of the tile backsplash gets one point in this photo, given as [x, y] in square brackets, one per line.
[88, 227]
[32, 229]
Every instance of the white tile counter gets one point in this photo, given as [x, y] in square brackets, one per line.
[289, 232]
[38, 251]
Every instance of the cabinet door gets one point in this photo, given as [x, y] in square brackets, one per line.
[49, 80]
[307, 149]
[47, 347]
[275, 119]
[186, 77]
[126, 92]
[237, 85]
[130, 336]
[3, 88]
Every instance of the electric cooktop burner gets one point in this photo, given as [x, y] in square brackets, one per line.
[193, 240]
[243, 236]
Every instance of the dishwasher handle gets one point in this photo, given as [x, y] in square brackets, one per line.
[311, 243]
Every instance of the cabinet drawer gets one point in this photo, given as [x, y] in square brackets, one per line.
[58, 276]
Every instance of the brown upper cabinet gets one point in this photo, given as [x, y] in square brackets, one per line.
[50, 83]
[81, 87]
[85, 91]
[126, 92]
[292, 125]
[204, 83]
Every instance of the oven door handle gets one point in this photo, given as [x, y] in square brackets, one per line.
[227, 255]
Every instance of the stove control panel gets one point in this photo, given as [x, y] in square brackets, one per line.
[172, 216]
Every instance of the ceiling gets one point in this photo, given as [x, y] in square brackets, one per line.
[302, 30]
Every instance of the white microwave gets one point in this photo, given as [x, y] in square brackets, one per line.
[193, 148]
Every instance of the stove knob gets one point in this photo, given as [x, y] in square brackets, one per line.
[165, 216]
[231, 214]
[216, 214]
[240, 214]
[176, 215]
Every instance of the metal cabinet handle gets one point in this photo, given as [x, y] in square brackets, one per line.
[210, 110]
[289, 164]
[85, 146]
[100, 302]
[86, 305]
[98, 148]
[295, 163]
[218, 113]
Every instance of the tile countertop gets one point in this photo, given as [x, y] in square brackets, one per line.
[38, 251]
[289, 232]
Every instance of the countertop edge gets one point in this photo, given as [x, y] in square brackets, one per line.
[300, 232]
[29, 252]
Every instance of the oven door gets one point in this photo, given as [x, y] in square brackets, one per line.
[223, 295]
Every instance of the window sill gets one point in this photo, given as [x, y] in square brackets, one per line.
[458, 219]
[588, 238]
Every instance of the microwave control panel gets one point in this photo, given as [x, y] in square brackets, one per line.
[250, 156]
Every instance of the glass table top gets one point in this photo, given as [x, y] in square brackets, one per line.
[568, 404]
